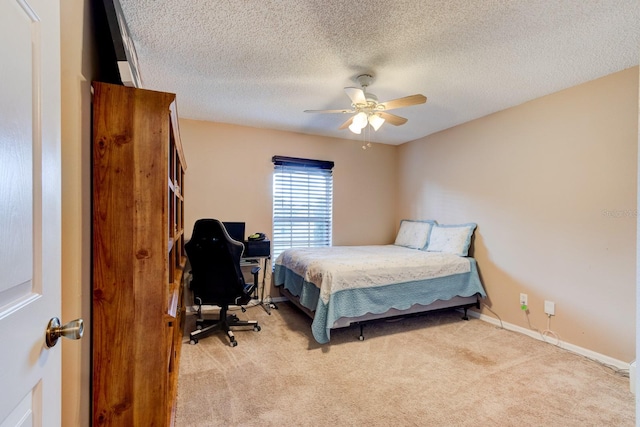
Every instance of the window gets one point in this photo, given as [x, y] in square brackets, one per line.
[302, 203]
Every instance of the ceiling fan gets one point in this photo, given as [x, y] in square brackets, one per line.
[367, 110]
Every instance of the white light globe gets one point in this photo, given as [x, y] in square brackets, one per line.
[375, 121]
[360, 120]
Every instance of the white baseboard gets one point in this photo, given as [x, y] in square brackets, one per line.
[606, 360]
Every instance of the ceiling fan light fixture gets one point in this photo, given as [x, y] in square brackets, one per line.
[368, 111]
[375, 121]
[360, 120]
[354, 128]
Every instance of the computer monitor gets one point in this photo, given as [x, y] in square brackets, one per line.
[235, 230]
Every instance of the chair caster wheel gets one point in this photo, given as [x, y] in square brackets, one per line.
[193, 341]
[257, 328]
[233, 343]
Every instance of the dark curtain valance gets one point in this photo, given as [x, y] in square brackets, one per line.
[295, 161]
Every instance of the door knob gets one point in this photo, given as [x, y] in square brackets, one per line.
[72, 330]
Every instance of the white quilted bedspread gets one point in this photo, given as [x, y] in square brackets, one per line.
[336, 268]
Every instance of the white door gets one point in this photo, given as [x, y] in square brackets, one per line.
[29, 210]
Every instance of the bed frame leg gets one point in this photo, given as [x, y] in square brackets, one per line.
[465, 317]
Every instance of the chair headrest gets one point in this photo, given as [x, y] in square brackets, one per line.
[207, 229]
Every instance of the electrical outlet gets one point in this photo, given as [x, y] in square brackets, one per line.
[550, 308]
[523, 301]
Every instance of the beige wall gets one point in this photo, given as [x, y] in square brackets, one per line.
[552, 187]
[78, 67]
[229, 177]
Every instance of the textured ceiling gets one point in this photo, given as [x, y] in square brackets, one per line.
[262, 63]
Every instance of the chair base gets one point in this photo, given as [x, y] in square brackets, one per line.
[225, 323]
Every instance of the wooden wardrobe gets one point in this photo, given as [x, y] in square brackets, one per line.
[138, 256]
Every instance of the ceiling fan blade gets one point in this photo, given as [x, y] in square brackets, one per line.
[344, 111]
[407, 101]
[392, 118]
[346, 124]
[356, 95]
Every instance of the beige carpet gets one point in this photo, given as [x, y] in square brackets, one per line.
[433, 370]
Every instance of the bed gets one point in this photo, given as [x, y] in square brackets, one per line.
[427, 268]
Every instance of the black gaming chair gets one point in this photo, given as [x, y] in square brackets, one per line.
[217, 278]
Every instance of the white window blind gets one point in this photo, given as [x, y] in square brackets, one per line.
[302, 203]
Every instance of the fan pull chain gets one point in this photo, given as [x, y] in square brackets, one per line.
[366, 137]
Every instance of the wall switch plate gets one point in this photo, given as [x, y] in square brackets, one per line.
[550, 308]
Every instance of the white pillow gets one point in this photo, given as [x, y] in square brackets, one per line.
[453, 239]
[413, 234]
